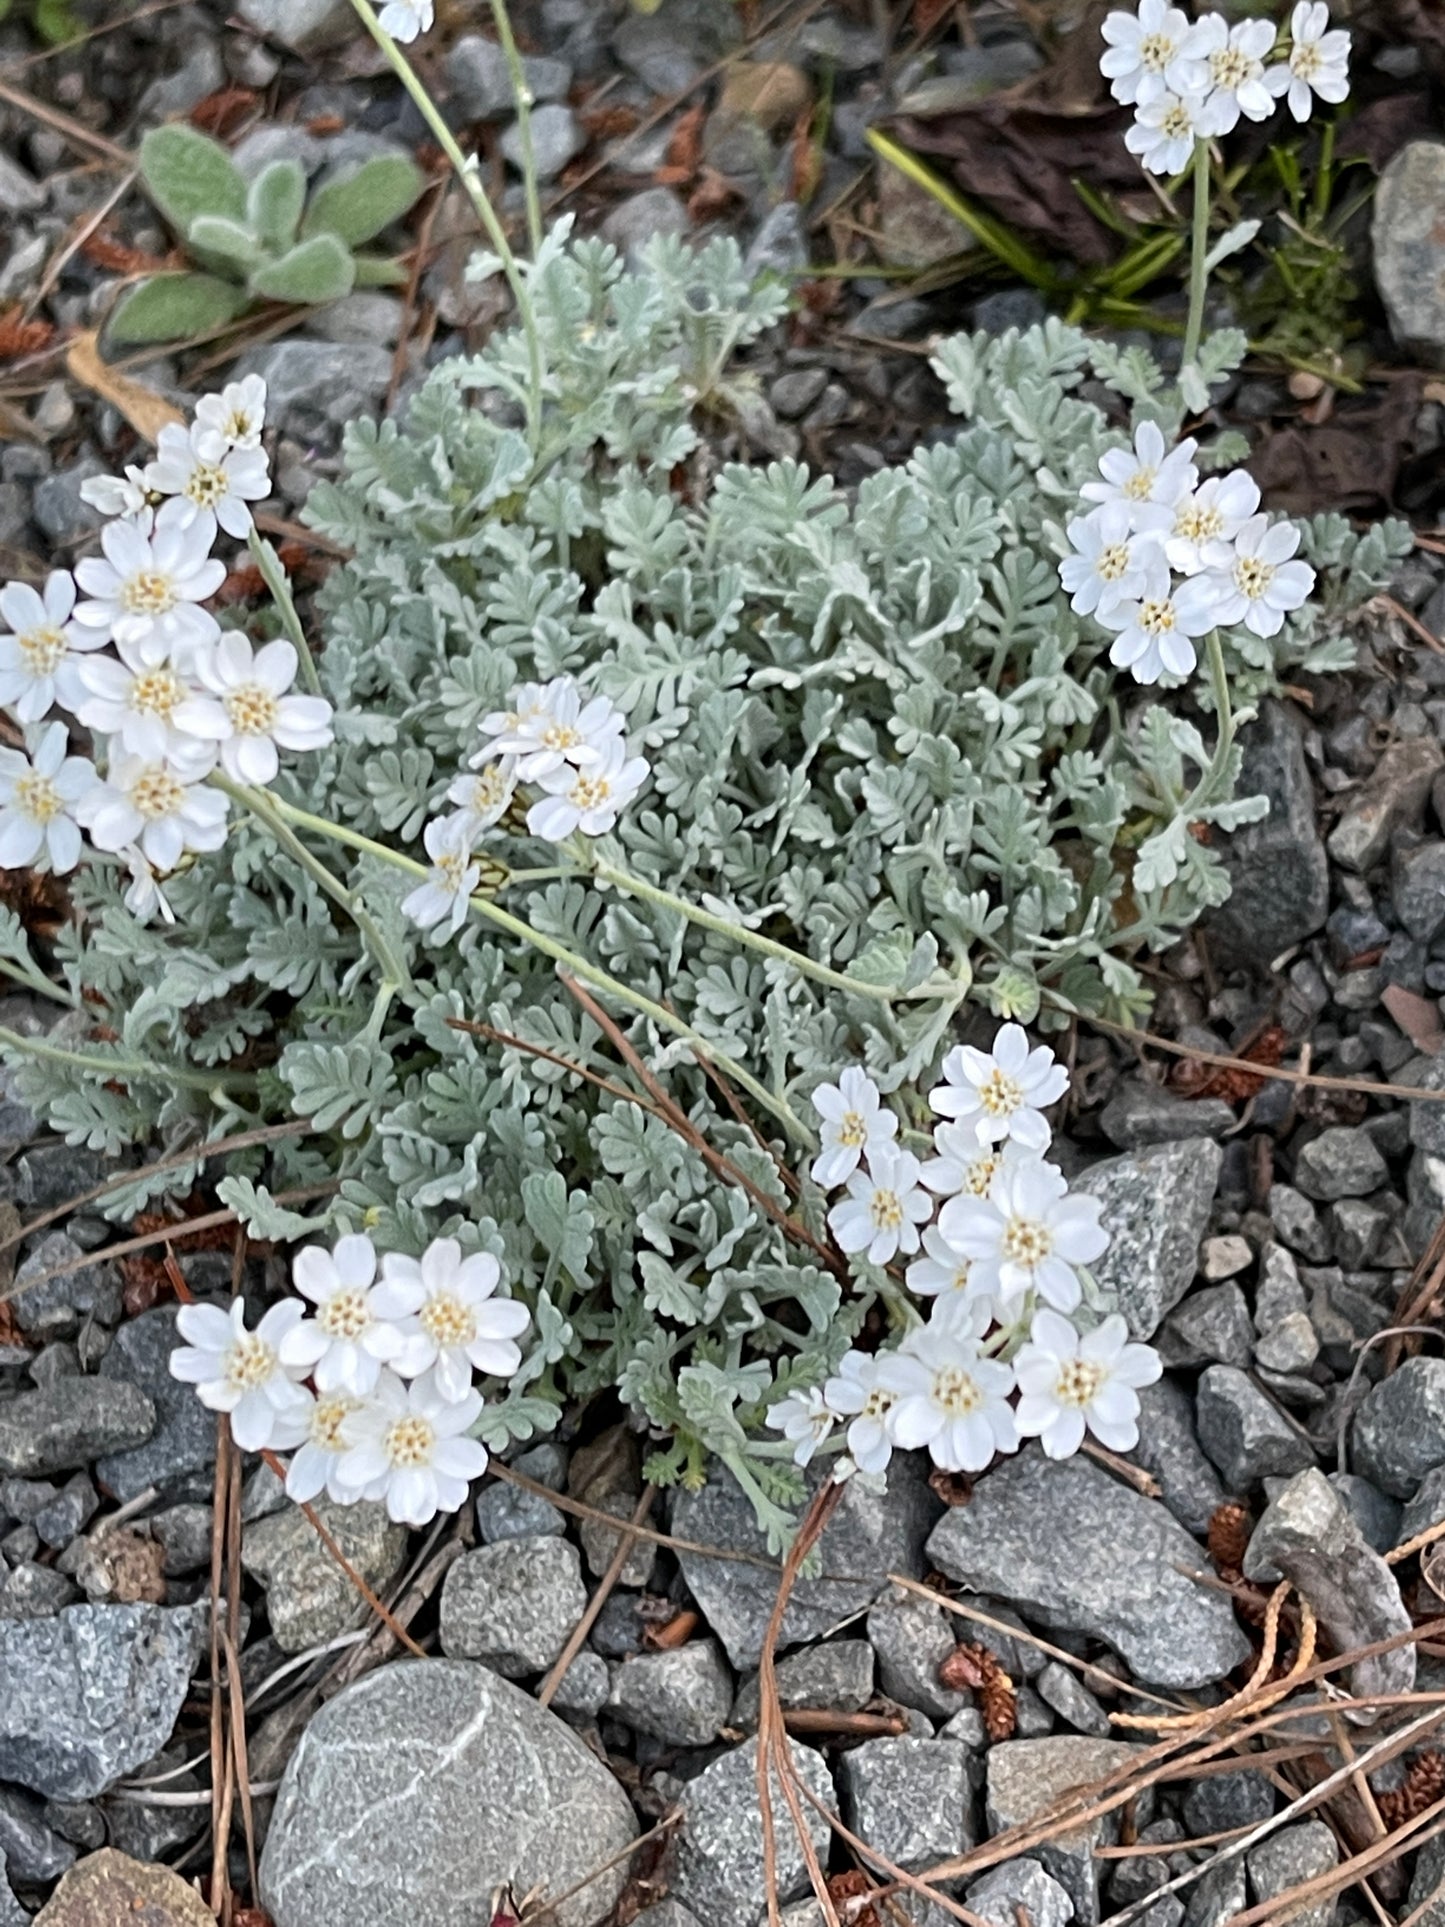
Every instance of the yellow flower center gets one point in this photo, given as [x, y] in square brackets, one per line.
[885, 1209]
[1252, 577]
[1156, 50]
[1177, 125]
[453, 866]
[448, 1321]
[35, 797]
[1305, 60]
[981, 1174]
[1113, 561]
[409, 1442]
[345, 1314]
[1078, 1382]
[561, 736]
[853, 1130]
[490, 789]
[208, 484]
[1026, 1242]
[590, 792]
[1198, 524]
[878, 1402]
[148, 593]
[252, 709]
[238, 426]
[1156, 618]
[43, 650]
[956, 1393]
[156, 692]
[1000, 1094]
[1141, 483]
[328, 1415]
[250, 1362]
[1230, 67]
[156, 793]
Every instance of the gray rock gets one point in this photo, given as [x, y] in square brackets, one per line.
[1290, 1346]
[1225, 1257]
[1244, 1432]
[92, 1693]
[1427, 1885]
[1025, 1777]
[835, 1677]
[1392, 799]
[1358, 1230]
[59, 1307]
[1419, 890]
[1033, 1717]
[665, 53]
[911, 1799]
[717, 1855]
[12, 1914]
[481, 84]
[1073, 1548]
[57, 508]
[184, 1531]
[1399, 1430]
[1219, 1802]
[1279, 1291]
[33, 1851]
[1217, 1896]
[67, 1513]
[1298, 1223]
[304, 25]
[316, 387]
[583, 1689]
[366, 315]
[793, 392]
[1279, 874]
[186, 86]
[1425, 1509]
[557, 137]
[1409, 253]
[911, 1638]
[1377, 1516]
[1290, 1856]
[480, 1788]
[508, 1512]
[641, 217]
[1340, 1163]
[672, 1913]
[1427, 1115]
[1209, 1327]
[681, 1697]
[1308, 1534]
[1169, 1448]
[20, 193]
[309, 1597]
[967, 1728]
[514, 1605]
[35, 1592]
[184, 1439]
[1155, 1209]
[1014, 1885]
[870, 1535]
[1140, 1114]
[1075, 1705]
[70, 1423]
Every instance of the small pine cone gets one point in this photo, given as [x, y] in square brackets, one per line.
[1421, 1787]
[1229, 1529]
[975, 1668]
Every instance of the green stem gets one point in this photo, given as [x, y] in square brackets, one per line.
[1214, 775]
[32, 980]
[274, 576]
[1198, 249]
[522, 94]
[106, 1068]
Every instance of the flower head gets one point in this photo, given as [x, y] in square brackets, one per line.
[950, 1399]
[1261, 584]
[205, 473]
[163, 806]
[1149, 478]
[245, 705]
[148, 586]
[855, 1125]
[39, 797]
[1027, 1235]
[1207, 520]
[940, 1271]
[1150, 52]
[128, 494]
[446, 895]
[1318, 62]
[804, 1420]
[408, 1445]
[1112, 560]
[857, 1393]
[553, 726]
[1235, 57]
[485, 798]
[963, 1163]
[451, 1322]
[1155, 635]
[1002, 1093]
[237, 415]
[242, 1372]
[883, 1209]
[405, 19]
[144, 898]
[1165, 130]
[316, 1466]
[1069, 1382]
[589, 799]
[345, 1344]
[134, 701]
[38, 645]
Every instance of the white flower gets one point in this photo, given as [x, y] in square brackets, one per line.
[154, 575]
[856, 1393]
[1069, 1382]
[446, 895]
[1235, 58]
[135, 701]
[145, 898]
[162, 806]
[485, 798]
[127, 494]
[205, 473]
[317, 1463]
[1261, 584]
[405, 19]
[855, 1125]
[37, 647]
[1165, 130]
[1002, 1093]
[1319, 60]
[1149, 52]
[940, 1271]
[248, 710]
[550, 727]
[407, 1445]
[963, 1164]
[346, 1344]
[883, 1209]
[1156, 634]
[588, 799]
[950, 1399]
[237, 415]
[444, 1307]
[1112, 559]
[804, 1420]
[1149, 478]
[241, 1372]
[1207, 521]
[39, 794]
[1027, 1235]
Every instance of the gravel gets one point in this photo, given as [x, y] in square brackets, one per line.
[1025, 1777]
[1244, 1432]
[68, 1423]
[716, 1860]
[1169, 1448]
[1155, 1209]
[1340, 1163]
[309, 1597]
[514, 1605]
[1399, 1430]
[911, 1799]
[1020, 1889]
[183, 1442]
[1409, 253]
[1278, 870]
[1290, 1856]
[911, 1638]
[682, 1697]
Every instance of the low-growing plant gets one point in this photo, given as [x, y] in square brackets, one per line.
[262, 240]
[52, 20]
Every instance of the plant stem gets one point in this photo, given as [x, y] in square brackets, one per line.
[269, 563]
[106, 1068]
[32, 980]
[1198, 249]
[522, 94]
[1224, 712]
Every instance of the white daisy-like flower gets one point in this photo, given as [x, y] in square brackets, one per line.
[164, 807]
[39, 796]
[134, 701]
[1150, 478]
[247, 707]
[963, 1164]
[38, 646]
[484, 798]
[405, 19]
[1318, 62]
[127, 494]
[451, 1322]
[940, 1270]
[1207, 520]
[1027, 1235]
[855, 1124]
[857, 1396]
[344, 1346]
[1069, 1382]
[237, 415]
[1235, 58]
[446, 895]
[1150, 51]
[144, 898]
[408, 1445]
[1112, 560]
[316, 1466]
[950, 1399]
[883, 1209]
[1166, 129]
[804, 1420]
[1155, 635]
[550, 727]
[590, 799]
[206, 474]
[1261, 584]
[148, 586]
[241, 1372]
[1002, 1093]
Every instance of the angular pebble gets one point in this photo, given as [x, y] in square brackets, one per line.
[1027, 1776]
[1169, 1448]
[911, 1799]
[717, 1856]
[110, 1886]
[184, 1439]
[70, 1423]
[1292, 1855]
[1399, 1430]
[309, 1598]
[681, 1697]
[1245, 1433]
[1155, 1209]
[998, 1895]
[1340, 1163]
[514, 1605]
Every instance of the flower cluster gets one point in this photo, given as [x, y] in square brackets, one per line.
[1164, 557]
[1192, 81]
[1001, 1261]
[405, 19]
[374, 1389]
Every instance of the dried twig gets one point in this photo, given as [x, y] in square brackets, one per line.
[598, 1600]
[1275, 1073]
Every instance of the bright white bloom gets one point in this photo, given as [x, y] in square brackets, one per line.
[149, 585]
[162, 806]
[247, 709]
[452, 1323]
[1262, 584]
[38, 645]
[855, 1125]
[127, 494]
[1207, 521]
[1235, 58]
[316, 1465]
[940, 1270]
[204, 474]
[344, 1346]
[950, 1399]
[1111, 561]
[1156, 634]
[1001, 1093]
[1150, 478]
[145, 898]
[1318, 63]
[1027, 1235]
[39, 795]
[237, 415]
[963, 1164]
[883, 1209]
[135, 702]
[856, 1393]
[485, 798]
[241, 1372]
[408, 1445]
[1150, 52]
[588, 799]
[1165, 130]
[1069, 1382]
[405, 19]
[804, 1420]
[549, 727]
[446, 895]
